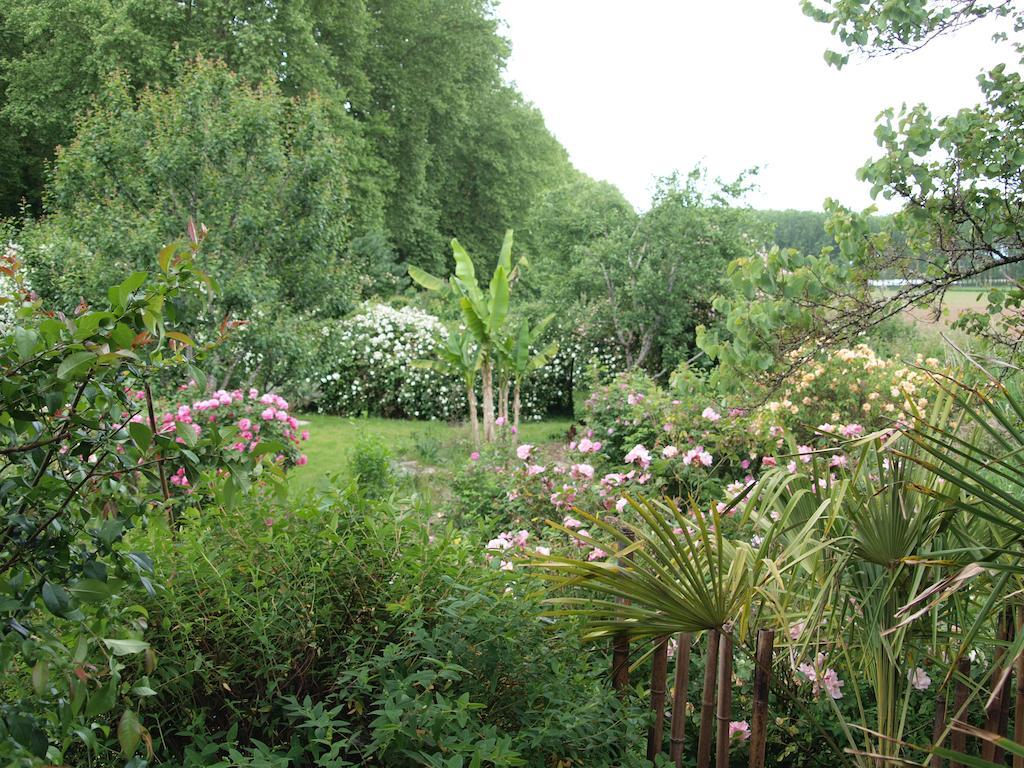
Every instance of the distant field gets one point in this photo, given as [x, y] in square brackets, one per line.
[956, 301]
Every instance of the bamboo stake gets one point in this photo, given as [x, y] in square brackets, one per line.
[659, 680]
[1006, 634]
[707, 706]
[939, 725]
[1018, 717]
[724, 713]
[762, 678]
[682, 684]
[620, 662]
[958, 739]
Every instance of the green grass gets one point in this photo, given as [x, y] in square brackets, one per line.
[431, 443]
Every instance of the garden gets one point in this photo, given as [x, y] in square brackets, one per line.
[344, 422]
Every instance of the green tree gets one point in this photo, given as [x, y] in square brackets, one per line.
[956, 178]
[267, 175]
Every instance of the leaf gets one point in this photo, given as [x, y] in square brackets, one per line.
[93, 590]
[180, 337]
[464, 269]
[505, 257]
[56, 599]
[25, 341]
[426, 279]
[165, 255]
[129, 733]
[103, 700]
[141, 434]
[125, 647]
[75, 364]
[40, 677]
[497, 308]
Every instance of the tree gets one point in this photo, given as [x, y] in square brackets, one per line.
[459, 354]
[657, 278]
[521, 357]
[268, 176]
[957, 180]
[483, 312]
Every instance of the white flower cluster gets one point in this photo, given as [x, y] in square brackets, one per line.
[366, 367]
[9, 300]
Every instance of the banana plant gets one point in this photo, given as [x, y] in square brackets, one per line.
[484, 312]
[459, 354]
[519, 359]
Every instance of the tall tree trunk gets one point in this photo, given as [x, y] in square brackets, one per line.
[487, 381]
[516, 406]
[471, 397]
[503, 398]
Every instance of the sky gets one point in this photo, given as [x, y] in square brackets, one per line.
[635, 89]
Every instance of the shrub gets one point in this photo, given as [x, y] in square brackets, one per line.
[353, 634]
[82, 467]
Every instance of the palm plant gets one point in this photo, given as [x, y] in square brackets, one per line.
[483, 312]
[519, 359]
[458, 354]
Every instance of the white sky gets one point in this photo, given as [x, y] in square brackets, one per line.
[636, 89]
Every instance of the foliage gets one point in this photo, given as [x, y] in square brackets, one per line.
[337, 633]
[83, 463]
[449, 146]
[268, 176]
[959, 220]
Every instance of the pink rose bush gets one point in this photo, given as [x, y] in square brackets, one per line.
[242, 426]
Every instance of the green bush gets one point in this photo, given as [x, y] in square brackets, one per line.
[370, 468]
[335, 633]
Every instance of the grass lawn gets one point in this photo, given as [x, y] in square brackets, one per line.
[432, 443]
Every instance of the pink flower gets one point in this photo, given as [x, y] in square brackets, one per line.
[582, 471]
[919, 679]
[666, 427]
[244, 424]
[669, 452]
[634, 399]
[638, 455]
[302, 460]
[621, 504]
[806, 453]
[474, 456]
[507, 565]
[500, 421]
[831, 684]
[839, 460]
[696, 456]
[305, 434]
[711, 414]
[826, 427]
[571, 522]
[268, 414]
[739, 729]
[545, 551]
[534, 469]
[851, 430]
[597, 554]
[253, 393]
[768, 461]
[586, 445]
[524, 451]
[579, 542]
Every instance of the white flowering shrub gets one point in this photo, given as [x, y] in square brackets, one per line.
[364, 365]
[10, 288]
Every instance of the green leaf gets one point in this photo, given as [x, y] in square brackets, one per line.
[56, 599]
[93, 590]
[125, 647]
[129, 733]
[75, 365]
[103, 700]
[505, 257]
[25, 341]
[141, 434]
[497, 308]
[426, 279]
